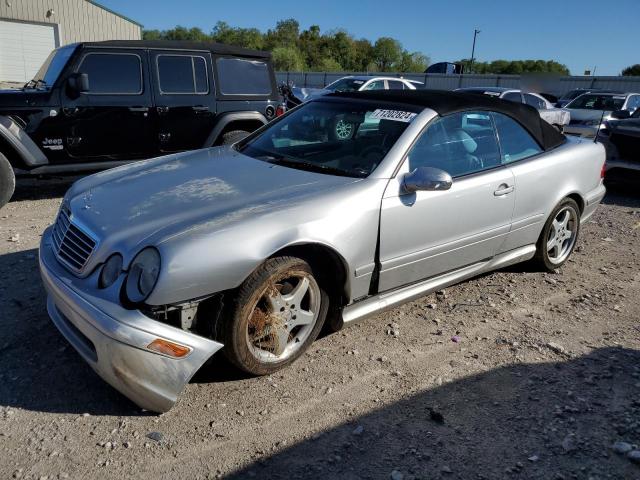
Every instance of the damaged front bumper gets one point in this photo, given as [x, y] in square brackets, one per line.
[114, 340]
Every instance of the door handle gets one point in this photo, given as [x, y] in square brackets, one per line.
[504, 189]
[139, 109]
[200, 109]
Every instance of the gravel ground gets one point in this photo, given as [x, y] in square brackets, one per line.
[515, 374]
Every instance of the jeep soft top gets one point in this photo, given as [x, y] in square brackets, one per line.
[95, 105]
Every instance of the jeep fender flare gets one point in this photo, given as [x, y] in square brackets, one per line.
[227, 118]
[18, 139]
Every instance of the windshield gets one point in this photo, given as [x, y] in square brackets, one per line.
[572, 94]
[336, 138]
[592, 101]
[52, 67]
[345, 85]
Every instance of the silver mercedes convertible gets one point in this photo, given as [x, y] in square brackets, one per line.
[345, 206]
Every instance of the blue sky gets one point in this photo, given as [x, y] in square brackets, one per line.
[579, 33]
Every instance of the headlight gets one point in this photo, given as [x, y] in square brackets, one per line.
[110, 271]
[143, 275]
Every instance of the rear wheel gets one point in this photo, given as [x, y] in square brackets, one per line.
[559, 235]
[277, 313]
[234, 136]
[7, 181]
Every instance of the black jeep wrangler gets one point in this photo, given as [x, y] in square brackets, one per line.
[97, 105]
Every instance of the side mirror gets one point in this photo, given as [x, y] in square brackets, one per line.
[621, 114]
[426, 178]
[78, 83]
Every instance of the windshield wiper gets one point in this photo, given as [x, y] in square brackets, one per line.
[313, 167]
[35, 83]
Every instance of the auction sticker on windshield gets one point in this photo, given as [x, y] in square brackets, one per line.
[397, 115]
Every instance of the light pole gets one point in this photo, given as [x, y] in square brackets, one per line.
[473, 49]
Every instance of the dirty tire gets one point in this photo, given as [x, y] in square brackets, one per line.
[234, 136]
[239, 319]
[542, 258]
[7, 181]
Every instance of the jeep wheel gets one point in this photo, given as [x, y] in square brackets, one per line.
[234, 136]
[277, 313]
[7, 181]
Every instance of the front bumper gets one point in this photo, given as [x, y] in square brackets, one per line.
[114, 340]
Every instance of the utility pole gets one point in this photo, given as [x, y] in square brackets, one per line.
[473, 49]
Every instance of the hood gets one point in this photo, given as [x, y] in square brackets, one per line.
[306, 94]
[24, 98]
[629, 127]
[163, 197]
[585, 114]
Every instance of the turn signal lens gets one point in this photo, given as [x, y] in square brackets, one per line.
[168, 348]
[603, 170]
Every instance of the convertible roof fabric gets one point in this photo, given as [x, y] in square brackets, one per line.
[446, 102]
[213, 47]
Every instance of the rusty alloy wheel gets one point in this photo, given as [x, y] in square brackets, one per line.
[284, 316]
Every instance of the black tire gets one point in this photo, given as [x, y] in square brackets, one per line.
[542, 258]
[7, 181]
[234, 136]
[236, 324]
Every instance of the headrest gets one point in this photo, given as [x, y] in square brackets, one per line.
[463, 138]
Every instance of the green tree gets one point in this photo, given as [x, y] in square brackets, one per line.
[241, 37]
[413, 62]
[287, 59]
[286, 34]
[386, 52]
[632, 71]
[329, 65]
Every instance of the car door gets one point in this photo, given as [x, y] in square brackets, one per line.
[184, 98]
[512, 97]
[111, 121]
[534, 101]
[427, 233]
[535, 180]
[396, 85]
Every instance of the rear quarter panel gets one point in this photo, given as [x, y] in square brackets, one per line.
[544, 180]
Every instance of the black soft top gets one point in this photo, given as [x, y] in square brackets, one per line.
[446, 102]
[216, 48]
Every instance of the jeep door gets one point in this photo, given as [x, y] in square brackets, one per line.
[113, 121]
[184, 98]
[427, 233]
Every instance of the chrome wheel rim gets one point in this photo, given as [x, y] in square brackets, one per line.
[562, 235]
[283, 317]
[344, 130]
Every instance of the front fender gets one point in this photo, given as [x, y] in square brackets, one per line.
[26, 149]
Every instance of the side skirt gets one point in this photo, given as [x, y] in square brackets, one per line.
[362, 309]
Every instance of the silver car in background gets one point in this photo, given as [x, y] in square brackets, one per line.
[589, 111]
[347, 205]
[557, 117]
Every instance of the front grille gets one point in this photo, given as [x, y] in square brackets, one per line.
[72, 245]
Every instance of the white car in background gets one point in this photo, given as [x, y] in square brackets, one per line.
[557, 117]
[590, 111]
[356, 83]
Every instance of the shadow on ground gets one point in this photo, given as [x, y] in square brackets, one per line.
[28, 188]
[539, 421]
[39, 370]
